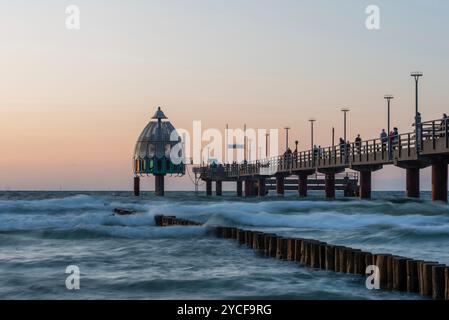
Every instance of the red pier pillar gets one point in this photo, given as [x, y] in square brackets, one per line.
[159, 186]
[262, 188]
[330, 185]
[239, 188]
[280, 185]
[365, 184]
[209, 187]
[439, 182]
[412, 178]
[302, 185]
[249, 188]
[137, 186]
[219, 187]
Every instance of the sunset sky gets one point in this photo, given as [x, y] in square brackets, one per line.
[73, 103]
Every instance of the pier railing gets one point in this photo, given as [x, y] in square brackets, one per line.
[432, 137]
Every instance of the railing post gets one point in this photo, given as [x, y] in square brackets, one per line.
[367, 151]
[408, 144]
[353, 153]
[360, 153]
[433, 135]
[335, 155]
[446, 133]
[400, 146]
[375, 150]
[310, 164]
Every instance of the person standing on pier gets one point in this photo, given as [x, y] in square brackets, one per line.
[348, 148]
[395, 139]
[443, 125]
[342, 147]
[418, 131]
[315, 151]
[295, 153]
[383, 139]
[390, 144]
[358, 144]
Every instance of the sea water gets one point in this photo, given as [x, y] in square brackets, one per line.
[127, 257]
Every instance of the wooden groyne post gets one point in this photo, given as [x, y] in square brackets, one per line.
[428, 278]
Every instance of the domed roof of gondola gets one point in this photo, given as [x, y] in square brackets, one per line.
[155, 137]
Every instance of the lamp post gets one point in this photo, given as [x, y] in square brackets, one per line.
[266, 144]
[286, 137]
[244, 143]
[226, 144]
[249, 149]
[345, 111]
[333, 137]
[416, 75]
[388, 97]
[208, 155]
[312, 120]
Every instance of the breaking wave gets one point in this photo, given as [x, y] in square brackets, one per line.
[91, 216]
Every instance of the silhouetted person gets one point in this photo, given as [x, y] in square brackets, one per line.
[315, 151]
[383, 139]
[295, 153]
[418, 131]
[342, 147]
[395, 137]
[358, 144]
[348, 148]
[443, 125]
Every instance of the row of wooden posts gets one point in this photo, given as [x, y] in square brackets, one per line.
[428, 278]
[164, 221]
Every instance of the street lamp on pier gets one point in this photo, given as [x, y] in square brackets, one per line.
[388, 97]
[312, 120]
[345, 111]
[418, 132]
[286, 137]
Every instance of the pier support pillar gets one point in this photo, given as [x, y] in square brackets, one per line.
[439, 182]
[209, 187]
[280, 185]
[219, 187]
[262, 187]
[249, 188]
[365, 184]
[412, 178]
[159, 185]
[350, 187]
[330, 185]
[302, 185]
[137, 186]
[239, 188]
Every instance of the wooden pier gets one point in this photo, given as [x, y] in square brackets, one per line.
[409, 151]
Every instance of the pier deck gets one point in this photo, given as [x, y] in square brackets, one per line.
[406, 151]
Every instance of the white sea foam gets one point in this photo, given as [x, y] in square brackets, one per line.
[87, 212]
